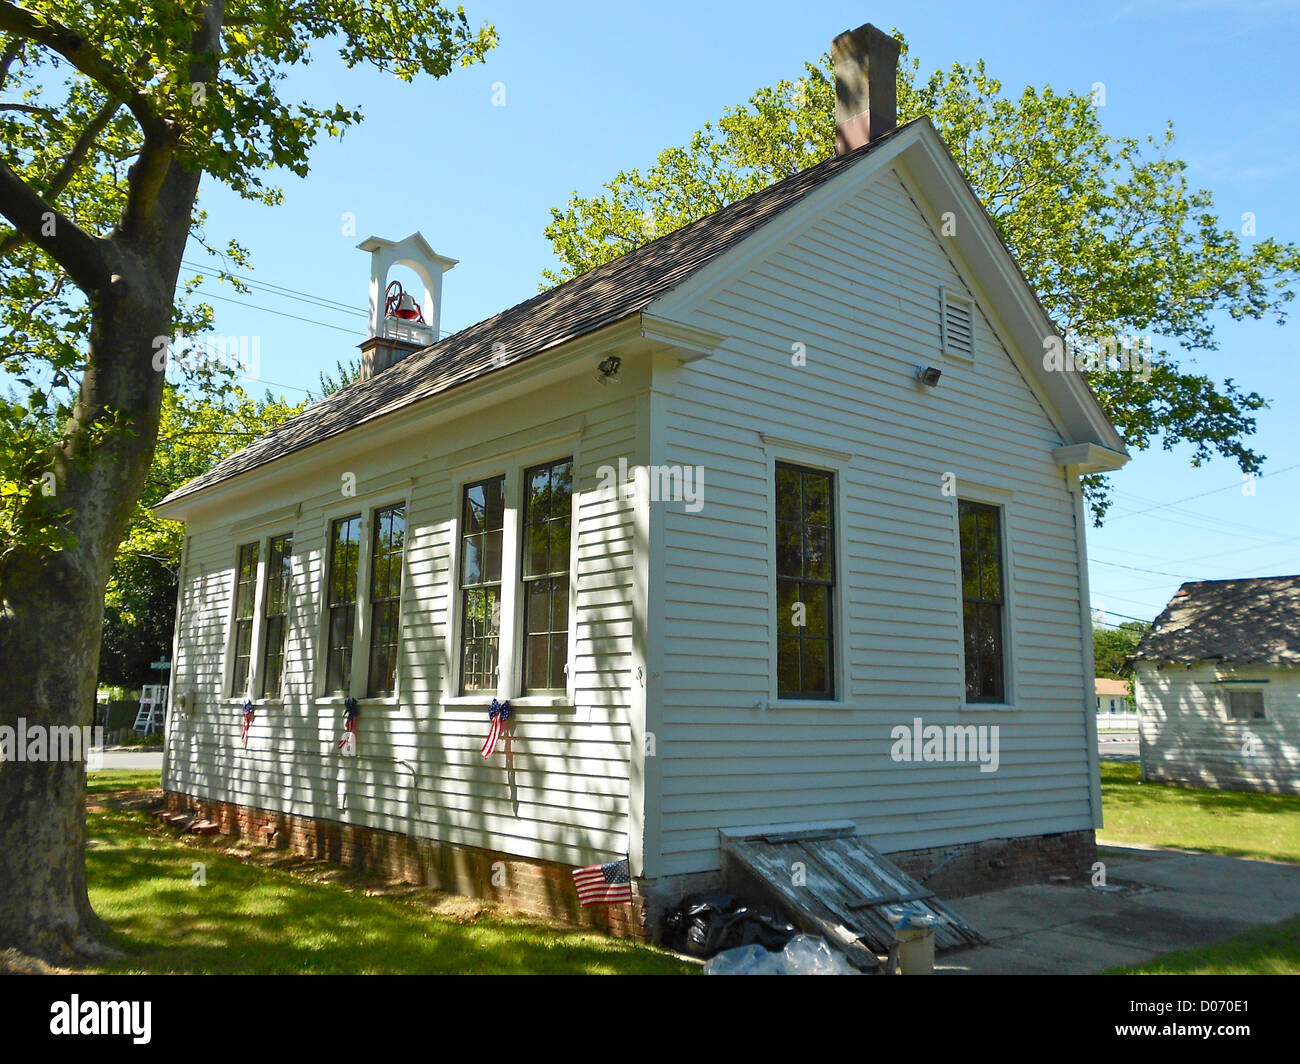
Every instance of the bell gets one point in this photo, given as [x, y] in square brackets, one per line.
[407, 309]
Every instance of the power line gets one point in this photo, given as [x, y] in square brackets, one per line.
[1201, 495]
[1112, 613]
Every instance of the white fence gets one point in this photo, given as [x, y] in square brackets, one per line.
[1112, 721]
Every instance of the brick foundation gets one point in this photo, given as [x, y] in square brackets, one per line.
[541, 889]
[978, 867]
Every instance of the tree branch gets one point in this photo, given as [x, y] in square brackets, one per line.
[72, 247]
[77, 50]
[65, 172]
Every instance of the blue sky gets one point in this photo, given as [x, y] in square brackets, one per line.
[594, 88]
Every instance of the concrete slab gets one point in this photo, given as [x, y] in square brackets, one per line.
[1165, 900]
[1043, 953]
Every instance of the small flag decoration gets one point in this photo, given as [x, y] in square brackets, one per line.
[604, 884]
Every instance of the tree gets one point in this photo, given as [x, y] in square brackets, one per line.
[110, 113]
[1106, 230]
[1111, 646]
[195, 432]
[348, 372]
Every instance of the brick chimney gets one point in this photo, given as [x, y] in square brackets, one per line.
[866, 86]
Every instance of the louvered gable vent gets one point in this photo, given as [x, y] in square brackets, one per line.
[958, 324]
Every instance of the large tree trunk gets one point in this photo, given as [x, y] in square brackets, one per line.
[50, 623]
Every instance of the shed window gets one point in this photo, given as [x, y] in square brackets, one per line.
[482, 523]
[982, 600]
[805, 582]
[1245, 705]
[275, 599]
[544, 570]
[245, 594]
[341, 601]
[386, 550]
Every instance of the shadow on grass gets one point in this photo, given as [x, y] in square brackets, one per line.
[182, 905]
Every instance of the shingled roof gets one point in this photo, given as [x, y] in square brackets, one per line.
[602, 296]
[1247, 622]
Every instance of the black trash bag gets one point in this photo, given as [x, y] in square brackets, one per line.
[705, 924]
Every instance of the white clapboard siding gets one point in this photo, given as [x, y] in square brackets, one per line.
[860, 287]
[1188, 738]
[565, 793]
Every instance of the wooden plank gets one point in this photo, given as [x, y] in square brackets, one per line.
[843, 885]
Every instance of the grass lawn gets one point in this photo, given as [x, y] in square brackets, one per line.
[1271, 950]
[1234, 823]
[267, 912]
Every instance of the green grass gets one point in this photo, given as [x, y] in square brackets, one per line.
[1234, 823]
[257, 916]
[1271, 950]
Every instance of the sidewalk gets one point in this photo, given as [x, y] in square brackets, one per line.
[1156, 901]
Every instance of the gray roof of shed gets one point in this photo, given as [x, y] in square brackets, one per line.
[1255, 621]
[600, 297]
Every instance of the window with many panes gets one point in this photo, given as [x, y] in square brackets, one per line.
[805, 582]
[386, 548]
[275, 611]
[341, 602]
[544, 572]
[483, 511]
[1246, 705]
[245, 595]
[982, 593]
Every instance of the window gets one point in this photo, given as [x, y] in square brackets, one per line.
[275, 608]
[387, 545]
[341, 602]
[245, 593]
[482, 523]
[957, 325]
[1245, 705]
[805, 582]
[544, 570]
[982, 600]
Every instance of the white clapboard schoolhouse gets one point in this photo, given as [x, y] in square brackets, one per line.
[774, 522]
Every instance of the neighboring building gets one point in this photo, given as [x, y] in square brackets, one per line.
[709, 519]
[1217, 683]
[1112, 695]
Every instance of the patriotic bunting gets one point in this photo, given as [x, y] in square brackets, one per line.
[348, 744]
[498, 714]
[247, 722]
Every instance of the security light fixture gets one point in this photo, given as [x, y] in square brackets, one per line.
[607, 371]
[928, 375]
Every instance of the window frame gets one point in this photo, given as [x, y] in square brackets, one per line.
[833, 650]
[367, 595]
[512, 465]
[393, 493]
[232, 654]
[522, 634]
[814, 456]
[1244, 688]
[1004, 500]
[265, 618]
[457, 599]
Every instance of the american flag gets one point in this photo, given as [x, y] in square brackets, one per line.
[604, 884]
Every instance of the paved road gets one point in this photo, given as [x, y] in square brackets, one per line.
[1118, 746]
[137, 760]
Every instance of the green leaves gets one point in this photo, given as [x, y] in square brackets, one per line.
[1107, 230]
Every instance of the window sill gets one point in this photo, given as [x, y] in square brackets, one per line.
[807, 703]
[338, 700]
[522, 702]
[988, 707]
